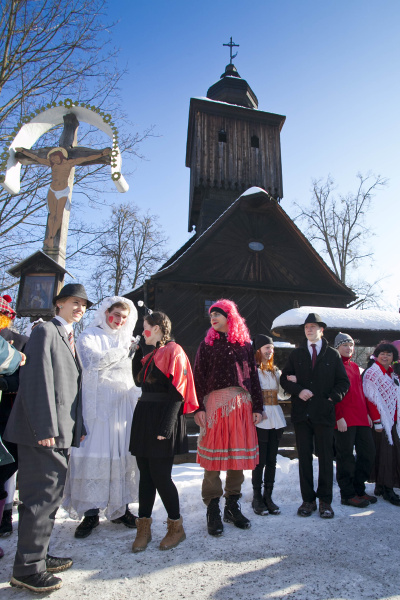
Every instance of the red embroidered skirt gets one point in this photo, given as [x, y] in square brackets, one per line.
[229, 440]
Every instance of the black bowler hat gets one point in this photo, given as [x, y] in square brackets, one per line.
[261, 340]
[314, 318]
[73, 289]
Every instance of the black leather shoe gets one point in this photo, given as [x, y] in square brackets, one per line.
[378, 491]
[371, 499]
[325, 510]
[356, 501]
[38, 582]
[214, 523]
[390, 496]
[54, 564]
[233, 514]
[307, 509]
[86, 527]
[128, 519]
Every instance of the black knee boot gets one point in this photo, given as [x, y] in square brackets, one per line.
[233, 514]
[214, 523]
[273, 509]
[258, 503]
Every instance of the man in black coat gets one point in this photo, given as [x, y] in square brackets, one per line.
[45, 421]
[316, 378]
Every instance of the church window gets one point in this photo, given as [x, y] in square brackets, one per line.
[255, 141]
[222, 135]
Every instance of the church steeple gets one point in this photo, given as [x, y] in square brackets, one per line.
[231, 147]
[231, 88]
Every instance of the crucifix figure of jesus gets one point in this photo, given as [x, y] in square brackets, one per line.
[62, 160]
[59, 190]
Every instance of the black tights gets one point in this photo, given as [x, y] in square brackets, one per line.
[155, 475]
[268, 443]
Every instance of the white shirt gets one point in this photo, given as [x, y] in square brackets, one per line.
[273, 417]
[318, 346]
[67, 326]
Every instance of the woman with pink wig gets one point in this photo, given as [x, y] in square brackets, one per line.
[231, 404]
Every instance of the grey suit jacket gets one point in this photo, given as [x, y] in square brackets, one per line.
[49, 402]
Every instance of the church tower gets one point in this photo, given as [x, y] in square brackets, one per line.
[231, 146]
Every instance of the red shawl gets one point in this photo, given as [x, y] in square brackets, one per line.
[172, 360]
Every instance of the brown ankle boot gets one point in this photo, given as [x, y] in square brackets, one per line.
[175, 534]
[143, 534]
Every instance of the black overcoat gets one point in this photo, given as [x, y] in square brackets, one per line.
[327, 380]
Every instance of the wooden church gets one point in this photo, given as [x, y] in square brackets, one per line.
[245, 246]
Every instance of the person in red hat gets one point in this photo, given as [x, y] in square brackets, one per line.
[320, 383]
[10, 360]
[9, 388]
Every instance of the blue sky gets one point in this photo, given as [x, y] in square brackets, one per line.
[330, 66]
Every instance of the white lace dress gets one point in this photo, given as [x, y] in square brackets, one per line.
[102, 473]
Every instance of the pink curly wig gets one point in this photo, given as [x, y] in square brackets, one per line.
[237, 328]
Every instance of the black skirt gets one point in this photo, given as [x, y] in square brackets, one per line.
[147, 418]
[386, 470]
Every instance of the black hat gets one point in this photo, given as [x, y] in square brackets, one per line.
[314, 318]
[261, 340]
[73, 289]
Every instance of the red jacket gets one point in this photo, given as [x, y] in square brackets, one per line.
[353, 408]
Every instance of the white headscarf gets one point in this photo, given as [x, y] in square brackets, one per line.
[100, 319]
[107, 369]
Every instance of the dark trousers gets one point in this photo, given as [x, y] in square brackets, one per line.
[268, 443]
[42, 473]
[308, 434]
[155, 475]
[352, 472]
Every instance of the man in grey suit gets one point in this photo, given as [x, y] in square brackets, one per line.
[45, 421]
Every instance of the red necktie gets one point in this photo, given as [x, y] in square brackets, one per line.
[314, 354]
[71, 341]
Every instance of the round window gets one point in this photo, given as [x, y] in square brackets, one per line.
[256, 246]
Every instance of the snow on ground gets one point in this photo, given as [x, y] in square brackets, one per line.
[355, 556]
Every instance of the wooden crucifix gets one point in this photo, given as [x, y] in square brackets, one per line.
[62, 160]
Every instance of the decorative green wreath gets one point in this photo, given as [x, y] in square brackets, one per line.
[68, 103]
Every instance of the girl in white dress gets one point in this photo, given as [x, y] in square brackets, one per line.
[271, 427]
[102, 473]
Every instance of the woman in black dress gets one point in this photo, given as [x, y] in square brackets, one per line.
[166, 379]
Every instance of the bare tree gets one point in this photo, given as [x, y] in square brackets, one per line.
[129, 251]
[51, 49]
[337, 224]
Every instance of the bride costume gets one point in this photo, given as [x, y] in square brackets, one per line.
[102, 473]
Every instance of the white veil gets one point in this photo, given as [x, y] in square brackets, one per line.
[107, 369]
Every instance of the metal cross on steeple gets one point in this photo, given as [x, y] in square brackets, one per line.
[231, 45]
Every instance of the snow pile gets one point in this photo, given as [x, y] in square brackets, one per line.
[341, 318]
[351, 557]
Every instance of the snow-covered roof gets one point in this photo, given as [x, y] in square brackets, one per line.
[341, 318]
